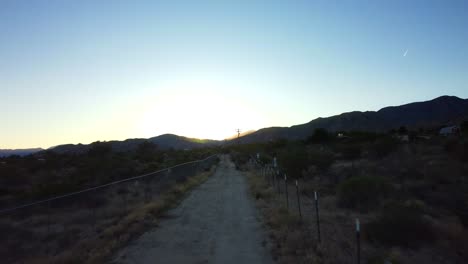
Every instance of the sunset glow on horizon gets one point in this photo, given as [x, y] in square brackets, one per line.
[83, 71]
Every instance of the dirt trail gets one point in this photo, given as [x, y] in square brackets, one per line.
[216, 223]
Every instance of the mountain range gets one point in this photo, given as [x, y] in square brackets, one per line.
[165, 141]
[18, 152]
[444, 110]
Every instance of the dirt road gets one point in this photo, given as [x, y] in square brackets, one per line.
[216, 223]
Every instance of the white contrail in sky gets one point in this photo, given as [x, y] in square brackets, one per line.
[406, 52]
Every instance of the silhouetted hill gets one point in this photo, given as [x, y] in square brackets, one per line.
[179, 142]
[245, 133]
[165, 141]
[439, 111]
[19, 152]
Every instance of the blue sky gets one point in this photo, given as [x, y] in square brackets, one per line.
[82, 71]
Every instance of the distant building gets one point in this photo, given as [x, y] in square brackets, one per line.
[450, 130]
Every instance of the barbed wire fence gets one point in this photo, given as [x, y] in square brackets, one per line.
[47, 227]
[337, 235]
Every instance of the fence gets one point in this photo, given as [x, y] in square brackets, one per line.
[336, 234]
[46, 228]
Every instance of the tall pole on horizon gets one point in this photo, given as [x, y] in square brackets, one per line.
[238, 135]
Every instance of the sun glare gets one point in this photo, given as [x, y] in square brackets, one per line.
[199, 112]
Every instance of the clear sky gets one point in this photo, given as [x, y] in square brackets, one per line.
[82, 71]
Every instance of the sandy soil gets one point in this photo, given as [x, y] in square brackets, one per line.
[216, 223]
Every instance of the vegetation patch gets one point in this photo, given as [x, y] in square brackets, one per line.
[400, 225]
[131, 225]
[363, 192]
[408, 188]
[291, 241]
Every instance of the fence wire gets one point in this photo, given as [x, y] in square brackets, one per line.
[47, 227]
[337, 231]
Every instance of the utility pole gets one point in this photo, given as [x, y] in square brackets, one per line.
[238, 136]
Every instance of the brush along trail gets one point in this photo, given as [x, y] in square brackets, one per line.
[216, 223]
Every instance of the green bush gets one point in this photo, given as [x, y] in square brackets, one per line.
[400, 225]
[363, 192]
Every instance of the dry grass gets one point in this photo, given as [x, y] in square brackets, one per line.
[116, 231]
[295, 240]
[424, 177]
[286, 230]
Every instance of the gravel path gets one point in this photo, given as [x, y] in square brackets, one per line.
[216, 223]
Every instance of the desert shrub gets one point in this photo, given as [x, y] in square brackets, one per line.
[400, 225]
[457, 149]
[146, 151]
[383, 258]
[294, 159]
[464, 127]
[462, 212]
[320, 135]
[463, 153]
[321, 158]
[351, 151]
[100, 149]
[363, 192]
[442, 172]
[265, 159]
[384, 146]
[274, 145]
[362, 136]
[450, 145]
[44, 190]
[239, 158]
[260, 188]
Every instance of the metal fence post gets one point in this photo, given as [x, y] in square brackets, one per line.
[358, 241]
[286, 190]
[270, 176]
[266, 172]
[298, 199]
[317, 215]
[274, 179]
[80, 211]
